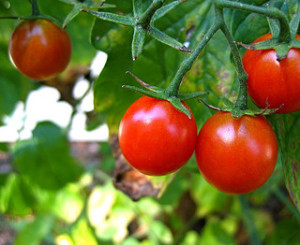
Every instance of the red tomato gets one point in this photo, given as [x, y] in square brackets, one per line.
[40, 49]
[156, 138]
[277, 81]
[236, 155]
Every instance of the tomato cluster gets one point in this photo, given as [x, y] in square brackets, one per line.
[40, 49]
[234, 155]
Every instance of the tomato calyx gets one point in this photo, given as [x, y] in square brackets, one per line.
[160, 93]
[238, 113]
[281, 49]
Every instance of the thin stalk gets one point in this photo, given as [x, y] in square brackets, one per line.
[187, 64]
[241, 102]
[10, 18]
[146, 17]
[274, 13]
[248, 219]
[35, 8]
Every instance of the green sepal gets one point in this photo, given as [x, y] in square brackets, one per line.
[72, 14]
[176, 102]
[137, 7]
[274, 27]
[78, 6]
[166, 39]
[282, 49]
[295, 43]
[115, 18]
[142, 91]
[164, 10]
[268, 44]
[189, 96]
[294, 24]
[145, 85]
[138, 41]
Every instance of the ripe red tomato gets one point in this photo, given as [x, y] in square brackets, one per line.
[276, 80]
[236, 156]
[40, 49]
[156, 138]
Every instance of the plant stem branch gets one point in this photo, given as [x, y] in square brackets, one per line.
[146, 17]
[186, 65]
[35, 8]
[241, 102]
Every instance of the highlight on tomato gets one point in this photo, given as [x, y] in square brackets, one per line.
[40, 49]
[236, 156]
[155, 137]
[271, 81]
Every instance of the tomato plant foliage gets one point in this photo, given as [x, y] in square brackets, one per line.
[61, 196]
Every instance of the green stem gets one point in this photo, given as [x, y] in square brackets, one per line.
[35, 8]
[249, 222]
[241, 102]
[146, 17]
[187, 64]
[274, 13]
[10, 18]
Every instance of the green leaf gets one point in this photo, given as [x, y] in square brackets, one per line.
[286, 232]
[245, 26]
[288, 132]
[45, 159]
[34, 232]
[214, 233]
[16, 195]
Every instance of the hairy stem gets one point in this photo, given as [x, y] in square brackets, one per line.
[241, 102]
[145, 19]
[187, 64]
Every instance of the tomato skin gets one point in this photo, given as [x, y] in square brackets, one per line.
[276, 80]
[40, 49]
[236, 156]
[156, 138]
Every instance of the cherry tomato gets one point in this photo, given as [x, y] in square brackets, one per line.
[40, 49]
[277, 81]
[156, 138]
[236, 156]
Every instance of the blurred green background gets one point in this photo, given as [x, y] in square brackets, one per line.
[57, 191]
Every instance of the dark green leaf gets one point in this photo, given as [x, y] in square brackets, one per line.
[288, 131]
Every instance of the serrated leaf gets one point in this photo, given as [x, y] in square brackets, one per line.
[288, 131]
[45, 159]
